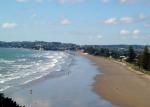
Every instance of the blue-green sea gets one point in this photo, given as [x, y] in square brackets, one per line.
[21, 66]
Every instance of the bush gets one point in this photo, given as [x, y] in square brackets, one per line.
[7, 102]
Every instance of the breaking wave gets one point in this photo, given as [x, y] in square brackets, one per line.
[26, 69]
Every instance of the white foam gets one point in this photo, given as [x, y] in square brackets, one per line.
[22, 66]
[52, 65]
[40, 60]
[2, 81]
[54, 61]
[45, 68]
[36, 68]
[20, 60]
[32, 80]
[6, 61]
[37, 64]
[2, 89]
[8, 79]
[50, 57]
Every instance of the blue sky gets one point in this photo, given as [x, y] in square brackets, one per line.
[76, 21]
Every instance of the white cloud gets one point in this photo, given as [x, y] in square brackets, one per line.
[133, 33]
[39, 1]
[21, 1]
[144, 2]
[136, 32]
[9, 25]
[124, 32]
[99, 37]
[95, 38]
[127, 1]
[134, 1]
[147, 25]
[123, 1]
[86, 33]
[65, 22]
[127, 19]
[142, 16]
[111, 21]
[141, 2]
[70, 1]
[33, 16]
[105, 1]
[61, 1]
[24, 1]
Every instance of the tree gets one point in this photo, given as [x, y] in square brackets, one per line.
[149, 63]
[145, 58]
[7, 102]
[139, 61]
[90, 50]
[131, 54]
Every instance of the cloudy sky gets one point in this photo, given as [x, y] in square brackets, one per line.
[76, 21]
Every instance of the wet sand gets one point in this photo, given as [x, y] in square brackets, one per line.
[121, 85]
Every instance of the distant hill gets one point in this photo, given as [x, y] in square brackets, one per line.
[39, 44]
[62, 46]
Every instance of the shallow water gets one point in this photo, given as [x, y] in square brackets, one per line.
[70, 89]
[22, 66]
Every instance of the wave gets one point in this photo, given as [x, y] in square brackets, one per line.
[8, 79]
[6, 61]
[22, 60]
[28, 81]
[33, 67]
[22, 66]
[6, 87]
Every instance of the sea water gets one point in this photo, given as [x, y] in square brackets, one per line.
[21, 66]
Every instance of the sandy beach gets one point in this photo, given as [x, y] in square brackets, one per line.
[121, 85]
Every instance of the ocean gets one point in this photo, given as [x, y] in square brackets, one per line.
[57, 79]
[22, 66]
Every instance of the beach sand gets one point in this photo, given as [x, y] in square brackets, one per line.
[121, 85]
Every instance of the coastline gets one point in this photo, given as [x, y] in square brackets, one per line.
[121, 85]
[71, 89]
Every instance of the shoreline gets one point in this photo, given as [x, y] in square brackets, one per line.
[119, 84]
[72, 89]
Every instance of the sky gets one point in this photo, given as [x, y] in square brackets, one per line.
[96, 22]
